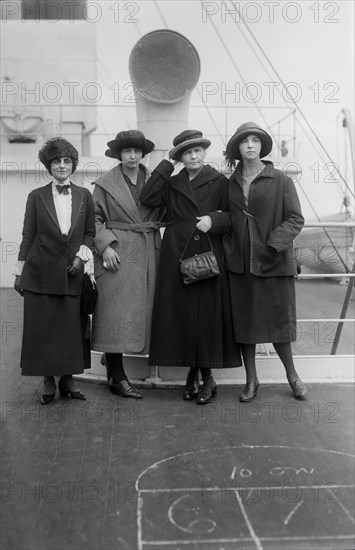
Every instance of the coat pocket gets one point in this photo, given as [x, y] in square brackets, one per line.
[230, 253]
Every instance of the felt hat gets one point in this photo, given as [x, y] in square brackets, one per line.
[232, 149]
[185, 140]
[127, 139]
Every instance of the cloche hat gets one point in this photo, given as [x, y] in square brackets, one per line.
[185, 140]
[232, 149]
[127, 139]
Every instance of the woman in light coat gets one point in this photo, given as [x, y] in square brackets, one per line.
[127, 246]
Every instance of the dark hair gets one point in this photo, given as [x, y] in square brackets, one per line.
[230, 162]
[56, 148]
[119, 151]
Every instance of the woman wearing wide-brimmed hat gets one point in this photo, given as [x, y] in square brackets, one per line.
[266, 217]
[58, 233]
[192, 324]
[127, 246]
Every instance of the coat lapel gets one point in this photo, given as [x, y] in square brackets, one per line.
[181, 184]
[77, 200]
[114, 183]
[47, 198]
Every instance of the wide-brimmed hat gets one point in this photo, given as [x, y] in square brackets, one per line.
[232, 149]
[127, 139]
[186, 140]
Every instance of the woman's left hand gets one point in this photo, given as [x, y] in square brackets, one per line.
[75, 267]
[204, 224]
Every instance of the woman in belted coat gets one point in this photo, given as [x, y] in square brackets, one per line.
[58, 233]
[266, 217]
[192, 324]
[127, 247]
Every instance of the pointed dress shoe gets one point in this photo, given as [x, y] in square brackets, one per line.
[207, 391]
[192, 385]
[124, 388]
[249, 392]
[47, 398]
[73, 394]
[299, 388]
[50, 388]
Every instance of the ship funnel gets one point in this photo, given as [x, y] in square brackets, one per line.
[164, 68]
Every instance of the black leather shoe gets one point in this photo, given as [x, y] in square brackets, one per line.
[124, 389]
[299, 389]
[207, 391]
[249, 392]
[73, 394]
[192, 385]
[47, 398]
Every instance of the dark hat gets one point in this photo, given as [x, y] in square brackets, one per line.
[127, 139]
[232, 149]
[186, 140]
[56, 148]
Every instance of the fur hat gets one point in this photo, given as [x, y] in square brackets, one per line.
[185, 140]
[127, 139]
[56, 148]
[232, 149]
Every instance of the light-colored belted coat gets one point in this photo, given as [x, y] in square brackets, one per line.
[122, 316]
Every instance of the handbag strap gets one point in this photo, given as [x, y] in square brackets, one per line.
[189, 239]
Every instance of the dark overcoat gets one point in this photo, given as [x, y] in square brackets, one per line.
[259, 256]
[123, 311]
[46, 252]
[192, 324]
[273, 218]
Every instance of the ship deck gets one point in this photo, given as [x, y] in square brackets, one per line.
[113, 473]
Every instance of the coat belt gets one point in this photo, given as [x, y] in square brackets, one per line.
[144, 227]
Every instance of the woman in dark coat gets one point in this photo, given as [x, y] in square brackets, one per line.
[266, 217]
[192, 324]
[58, 233]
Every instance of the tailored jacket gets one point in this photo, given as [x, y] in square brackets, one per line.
[273, 219]
[46, 252]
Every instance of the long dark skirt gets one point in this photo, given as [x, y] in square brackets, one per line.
[263, 308]
[55, 336]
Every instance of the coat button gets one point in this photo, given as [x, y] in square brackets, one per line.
[196, 237]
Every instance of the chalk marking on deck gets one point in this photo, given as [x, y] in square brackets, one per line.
[139, 520]
[244, 539]
[248, 522]
[158, 463]
[242, 488]
[193, 523]
[155, 465]
[293, 512]
[346, 512]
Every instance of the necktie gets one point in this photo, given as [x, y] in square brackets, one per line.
[63, 189]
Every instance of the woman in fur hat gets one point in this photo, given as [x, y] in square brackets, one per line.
[192, 324]
[58, 233]
[127, 247]
[266, 217]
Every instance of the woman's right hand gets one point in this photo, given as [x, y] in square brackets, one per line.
[17, 286]
[111, 259]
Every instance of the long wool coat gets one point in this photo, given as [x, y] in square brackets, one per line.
[122, 315]
[192, 324]
[259, 256]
